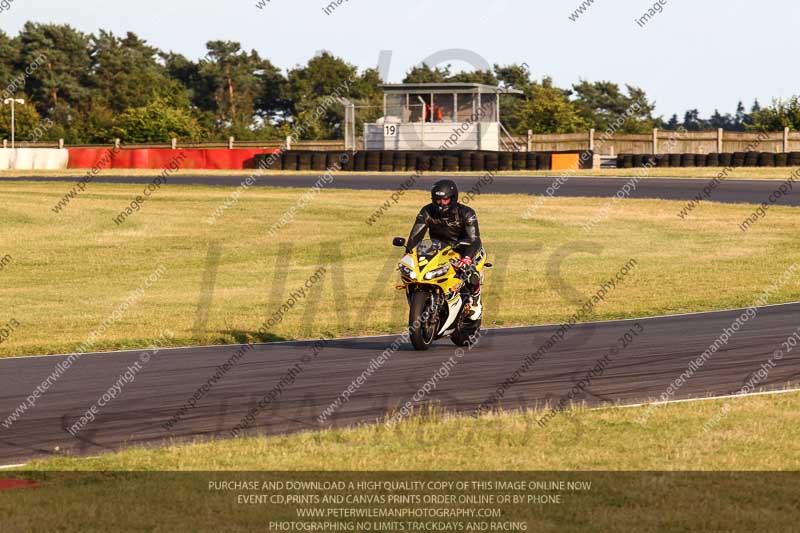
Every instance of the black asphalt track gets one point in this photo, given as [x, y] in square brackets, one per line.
[728, 191]
[658, 356]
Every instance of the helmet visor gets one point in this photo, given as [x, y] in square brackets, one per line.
[443, 201]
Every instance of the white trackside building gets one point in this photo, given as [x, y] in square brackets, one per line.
[439, 116]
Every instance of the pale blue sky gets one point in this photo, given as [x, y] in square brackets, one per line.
[702, 54]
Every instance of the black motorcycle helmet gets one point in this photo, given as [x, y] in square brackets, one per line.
[443, 190]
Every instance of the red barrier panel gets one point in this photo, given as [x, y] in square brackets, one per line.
[123, 159]
[80, 158]
[219, 159]
[91, 157]
[139, 159]
[191, 159]
[176, 159]
[241, 158]
[165, 158]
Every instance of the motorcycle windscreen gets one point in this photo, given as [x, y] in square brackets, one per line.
[429, 248]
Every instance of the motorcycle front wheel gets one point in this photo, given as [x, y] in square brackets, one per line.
[422, 320]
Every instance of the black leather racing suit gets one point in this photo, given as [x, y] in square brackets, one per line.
[459, 225]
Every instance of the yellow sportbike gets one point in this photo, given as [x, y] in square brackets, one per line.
[438, 296]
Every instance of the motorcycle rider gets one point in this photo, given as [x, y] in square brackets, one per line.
[451, 222]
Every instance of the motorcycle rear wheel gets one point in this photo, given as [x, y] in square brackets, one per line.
[421, 322]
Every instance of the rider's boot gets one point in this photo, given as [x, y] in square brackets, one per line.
[475, 306]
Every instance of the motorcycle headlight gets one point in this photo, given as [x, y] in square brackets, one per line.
[404, 270]
[441, 271]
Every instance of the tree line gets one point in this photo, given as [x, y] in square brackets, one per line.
[93, 88]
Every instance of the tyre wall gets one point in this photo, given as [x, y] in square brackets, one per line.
[735, 159]
[434, 161]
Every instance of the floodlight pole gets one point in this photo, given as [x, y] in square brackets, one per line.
[12, 101]
[349, 123]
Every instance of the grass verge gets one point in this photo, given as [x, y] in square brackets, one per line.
[66, 276]
[759, 433]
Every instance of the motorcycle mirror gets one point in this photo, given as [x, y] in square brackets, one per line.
[399, 242]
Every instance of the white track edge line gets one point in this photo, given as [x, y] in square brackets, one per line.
[624, 406]
[6, 467]
[224, 346]
[704, 399]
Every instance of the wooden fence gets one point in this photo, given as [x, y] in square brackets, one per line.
[230, 143]
[666, 142]
[656, 142]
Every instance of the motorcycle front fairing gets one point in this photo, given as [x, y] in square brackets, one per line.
[430, 267]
